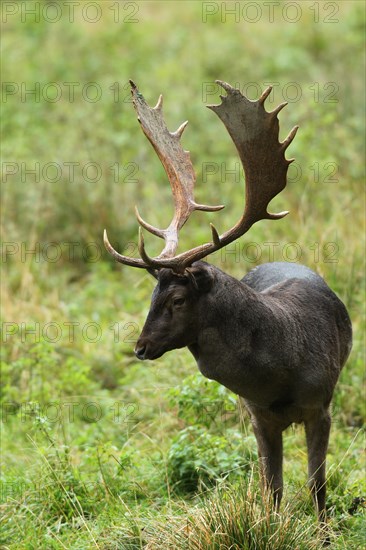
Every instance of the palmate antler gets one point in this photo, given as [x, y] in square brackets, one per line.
[255, 134]
[179, 169]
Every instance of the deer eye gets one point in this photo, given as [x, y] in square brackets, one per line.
[178, 301]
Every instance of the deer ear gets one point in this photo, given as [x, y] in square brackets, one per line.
[201, 277]
[153, 272]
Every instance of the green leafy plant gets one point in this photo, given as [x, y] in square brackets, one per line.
[204, 402]
[198, 458]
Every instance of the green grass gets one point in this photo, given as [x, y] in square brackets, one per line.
[100, 450]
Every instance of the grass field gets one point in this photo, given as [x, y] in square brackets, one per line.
[100, 450]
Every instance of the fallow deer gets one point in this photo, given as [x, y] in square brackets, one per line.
[279, 337]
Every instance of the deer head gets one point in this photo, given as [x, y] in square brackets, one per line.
[181, 295]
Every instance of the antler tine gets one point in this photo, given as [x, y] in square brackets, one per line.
[179, 169]
[154, 230]
[275, 111]
[141, 246]
[265, 94]
[159, 105]
[227, 87]
[127, 260]
[215, 235]
[289, 138]
[180, 130]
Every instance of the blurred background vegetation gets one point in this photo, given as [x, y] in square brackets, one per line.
[98, 449]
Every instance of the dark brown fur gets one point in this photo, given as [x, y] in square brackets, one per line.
[278, 338]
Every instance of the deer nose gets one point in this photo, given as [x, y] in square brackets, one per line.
[140, 351]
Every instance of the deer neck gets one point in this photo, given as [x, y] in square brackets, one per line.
[232, 312]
